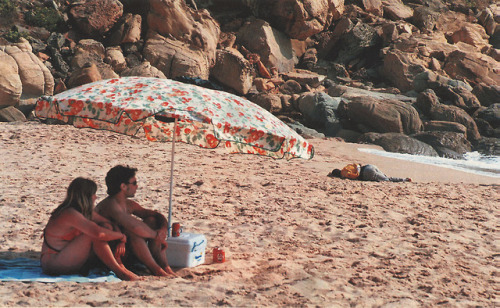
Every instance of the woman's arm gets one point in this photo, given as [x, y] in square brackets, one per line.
[90, 228]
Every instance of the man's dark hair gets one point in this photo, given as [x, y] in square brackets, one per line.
[335, 173]
[116, 176]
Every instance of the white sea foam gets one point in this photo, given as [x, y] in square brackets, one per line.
[473, 162]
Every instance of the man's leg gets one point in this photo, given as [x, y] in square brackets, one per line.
[142, 252]
[158, 251]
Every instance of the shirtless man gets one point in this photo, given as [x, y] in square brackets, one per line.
[145, 229]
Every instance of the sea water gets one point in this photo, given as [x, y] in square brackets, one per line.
[473, 162]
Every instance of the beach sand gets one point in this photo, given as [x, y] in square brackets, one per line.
[292, 236]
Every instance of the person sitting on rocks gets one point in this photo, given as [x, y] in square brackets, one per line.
[364, 173]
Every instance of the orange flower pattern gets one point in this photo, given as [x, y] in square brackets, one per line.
[206, 118]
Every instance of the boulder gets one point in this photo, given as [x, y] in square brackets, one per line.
[473, 66]
[299, 19]
[425, 18]
[398, 143]
[35, 78]
[442, 142]
[374, 7]
[444, 126]
[233, 70]
[351, 92]
[304, 78]
[127, 30]
[273, 47]
[87, 74]
[360, 41]
[487, 94]
[396, 10]
[402, 67]
[319, 110]
[487, 20]
[491, 115]
[175, 20]
[87, 51]
[11, 86]
[447, 113]
[488, 146]
[144, 69]
[426, 101]
[115, 58]
[291, 87]
[94, 18]
[11, 114]
[270, 102]
[89, 57]
[472, 34]
[175, 58]
[382, 116]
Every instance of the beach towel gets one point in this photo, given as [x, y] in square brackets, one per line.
[23, 269]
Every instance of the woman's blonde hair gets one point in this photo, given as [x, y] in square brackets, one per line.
[79, 197]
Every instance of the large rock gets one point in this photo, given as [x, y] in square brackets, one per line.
[233, 70]
[22, 74]
[174, 19]
[425, 18]
[491, 115]
[270, 102]
[360, 41]
[399, 143]
[11, 114]
[128, 30]
[442, 142]
[144, 69]
[273, 47]
[396, 10]
[473, 66]
[444, 126]
[351, 92]
[11, 86]
[94, 18]
[382, 116]
[175, 58]
[319, 110]
[487, 94]
[88, 64]
[472, 34]
[455, 114]
[299, 19]
[374, 7]
[488, 146]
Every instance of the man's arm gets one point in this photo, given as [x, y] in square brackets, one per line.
[161, 221]
[129, 222]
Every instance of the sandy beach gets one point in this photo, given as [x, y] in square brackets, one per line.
[292, 235]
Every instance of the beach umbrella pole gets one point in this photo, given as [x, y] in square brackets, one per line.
[169, 233]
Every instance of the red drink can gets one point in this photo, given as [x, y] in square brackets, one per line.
[176, 229]
[219, 256]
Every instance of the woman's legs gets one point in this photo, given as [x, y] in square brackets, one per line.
[105, 254]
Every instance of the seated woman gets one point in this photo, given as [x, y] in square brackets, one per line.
[71, 236]
[364, 173]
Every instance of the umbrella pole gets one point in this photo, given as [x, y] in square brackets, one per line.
[169, 233]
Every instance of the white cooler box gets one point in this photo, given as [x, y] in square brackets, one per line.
[186, 250]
